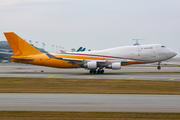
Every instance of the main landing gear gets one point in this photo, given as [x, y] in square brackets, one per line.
[92, 71]
[159, 67]
[99, 71]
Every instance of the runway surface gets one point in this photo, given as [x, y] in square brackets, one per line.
[89, 102]
[127, 73]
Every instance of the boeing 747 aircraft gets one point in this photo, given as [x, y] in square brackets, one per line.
[94, 61]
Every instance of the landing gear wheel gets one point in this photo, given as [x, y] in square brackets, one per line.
[92, 71]
[102, 71]
[98, 71]
[159, 67]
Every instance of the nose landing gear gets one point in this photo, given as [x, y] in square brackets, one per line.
[159, 67]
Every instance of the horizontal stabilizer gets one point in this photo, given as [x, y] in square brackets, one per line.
[22, 59]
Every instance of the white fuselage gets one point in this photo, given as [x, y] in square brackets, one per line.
[142, 53]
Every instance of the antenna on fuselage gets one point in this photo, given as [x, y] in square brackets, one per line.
[137, 43]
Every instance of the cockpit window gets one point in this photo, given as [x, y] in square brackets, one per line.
[163, 46]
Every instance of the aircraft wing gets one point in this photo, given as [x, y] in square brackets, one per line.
[81, 62]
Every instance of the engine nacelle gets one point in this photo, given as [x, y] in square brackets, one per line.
[114, 66]
[91, 65]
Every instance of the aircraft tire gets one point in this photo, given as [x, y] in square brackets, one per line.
[90, 72]
[102, 71]
[159, 67]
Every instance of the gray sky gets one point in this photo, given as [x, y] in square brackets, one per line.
[94, 24]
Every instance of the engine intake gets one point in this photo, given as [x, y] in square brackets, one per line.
[114, 66]
[91, 65]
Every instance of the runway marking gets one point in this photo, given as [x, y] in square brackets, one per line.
[172, 79]
[130, 78]
[91, 77]
[50, 76]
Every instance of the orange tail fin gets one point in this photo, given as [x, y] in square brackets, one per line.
[19, 46]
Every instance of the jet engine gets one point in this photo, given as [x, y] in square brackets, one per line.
[91, 65]
[114, 66]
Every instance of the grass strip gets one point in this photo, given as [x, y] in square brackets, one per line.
[21, 115]
[52, 85]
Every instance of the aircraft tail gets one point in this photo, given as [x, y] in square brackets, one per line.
[19, 46]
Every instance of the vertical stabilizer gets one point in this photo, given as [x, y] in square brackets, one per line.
[19, 46]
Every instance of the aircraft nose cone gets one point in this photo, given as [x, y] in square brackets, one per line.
[172, 53]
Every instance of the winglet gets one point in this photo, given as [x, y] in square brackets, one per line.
[19, 46]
